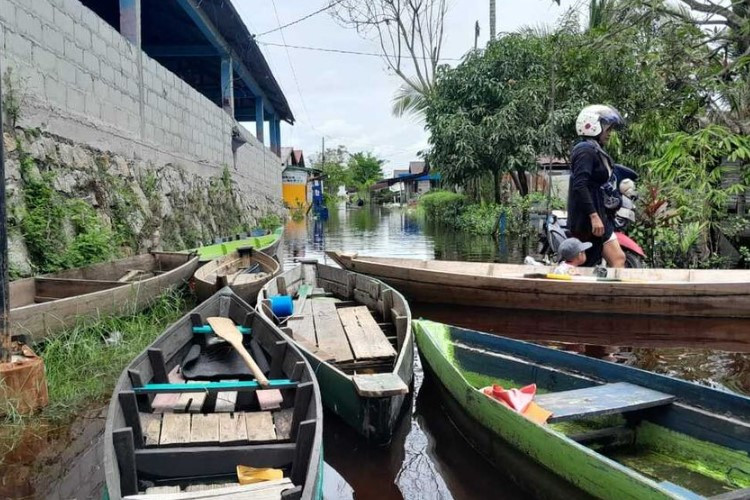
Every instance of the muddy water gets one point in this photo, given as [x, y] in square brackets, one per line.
[428, 457]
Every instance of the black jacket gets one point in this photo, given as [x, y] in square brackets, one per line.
[588, 173]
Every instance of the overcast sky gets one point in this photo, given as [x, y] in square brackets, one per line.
[347, 98]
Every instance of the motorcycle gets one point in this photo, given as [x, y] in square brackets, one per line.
[554, 230]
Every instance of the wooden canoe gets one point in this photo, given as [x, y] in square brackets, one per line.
[268, 244]
[615, 431]
[356, 333]
[244, 270]
[162, 431]
[44, 305]
[665, 292]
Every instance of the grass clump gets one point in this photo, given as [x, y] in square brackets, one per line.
[270, 222]
[83, 364]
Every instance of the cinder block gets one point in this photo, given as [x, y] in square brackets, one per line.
[84, 81]
[66, 71]
[54, 90]
[64, 23]
[18, 46]
[114, 58]
[44, 9]
[99, 46]
[107, 72]
[53, 38]
[8, 13]
[45, 60]
[93, 107]
[76, 101]
[29, 24]
[72, 51]
[83, 36]
[91, 62]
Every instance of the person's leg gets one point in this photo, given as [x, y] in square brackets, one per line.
[613, 253]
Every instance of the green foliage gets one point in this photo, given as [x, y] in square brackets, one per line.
[13, 98]
[333, 168]
[442, 205]
[500, 109]
[59, 232]
[270, 222]
[364, 169]
[82, 366]
[689, 173]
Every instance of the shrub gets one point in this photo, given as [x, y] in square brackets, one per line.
[442, 205]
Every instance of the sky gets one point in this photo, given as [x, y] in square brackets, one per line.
[347, 98]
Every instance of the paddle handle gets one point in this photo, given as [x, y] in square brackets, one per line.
[250, 362]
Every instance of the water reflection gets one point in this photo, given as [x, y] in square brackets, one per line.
[428, 457]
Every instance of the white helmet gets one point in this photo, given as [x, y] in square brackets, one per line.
[591, 120]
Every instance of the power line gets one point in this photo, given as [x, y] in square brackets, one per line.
[291, 66]
[311, 14]
[342, 51]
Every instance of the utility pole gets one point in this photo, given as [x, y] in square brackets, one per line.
[322, 151]
[492, 19]
[476, 34]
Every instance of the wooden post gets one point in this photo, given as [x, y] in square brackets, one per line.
[259, 119]
[274, 133]
[277, 129]
[130, 21]
[227, 85]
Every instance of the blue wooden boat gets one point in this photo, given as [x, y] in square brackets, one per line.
[615, 431]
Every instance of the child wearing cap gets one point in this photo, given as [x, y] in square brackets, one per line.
[571, 254]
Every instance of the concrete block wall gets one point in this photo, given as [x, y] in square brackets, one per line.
[80, 79]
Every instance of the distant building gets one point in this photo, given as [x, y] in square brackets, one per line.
[410, 183]
[296, 178]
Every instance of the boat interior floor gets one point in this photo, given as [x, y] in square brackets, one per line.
[344, 333]
[184, 436]
[683, 448]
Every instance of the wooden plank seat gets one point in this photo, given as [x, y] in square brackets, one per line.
[365, 336]
[605, 399]
[329, 331]
[173, 429]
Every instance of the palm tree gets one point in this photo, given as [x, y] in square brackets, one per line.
[410, 100]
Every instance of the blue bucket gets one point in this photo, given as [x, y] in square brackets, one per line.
[282, 306]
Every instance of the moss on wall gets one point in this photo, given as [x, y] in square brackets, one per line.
[70, 205]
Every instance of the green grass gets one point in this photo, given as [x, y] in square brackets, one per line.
[82, 366]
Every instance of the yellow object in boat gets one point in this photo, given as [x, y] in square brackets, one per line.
[250, 475]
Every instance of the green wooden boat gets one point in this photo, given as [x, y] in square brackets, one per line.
[615, 431]
[356, 333]
[268, 244]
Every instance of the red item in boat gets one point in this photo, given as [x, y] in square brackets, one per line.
[516, 399]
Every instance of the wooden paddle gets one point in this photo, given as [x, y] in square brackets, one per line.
[226, 329]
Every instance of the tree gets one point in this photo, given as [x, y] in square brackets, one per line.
[410, 34]
[365, 169]
[334, 168]
[500, 109]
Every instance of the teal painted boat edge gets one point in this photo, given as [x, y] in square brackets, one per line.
[611, 467]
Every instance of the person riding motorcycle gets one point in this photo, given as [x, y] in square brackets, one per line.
[593, 194]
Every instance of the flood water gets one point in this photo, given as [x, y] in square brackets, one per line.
[428, 458]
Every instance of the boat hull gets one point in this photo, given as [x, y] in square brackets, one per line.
[206, 277]
[268, 244]
[99, 298]
[485, 421]
[484, 285]
[181, 462]
[375, 418]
